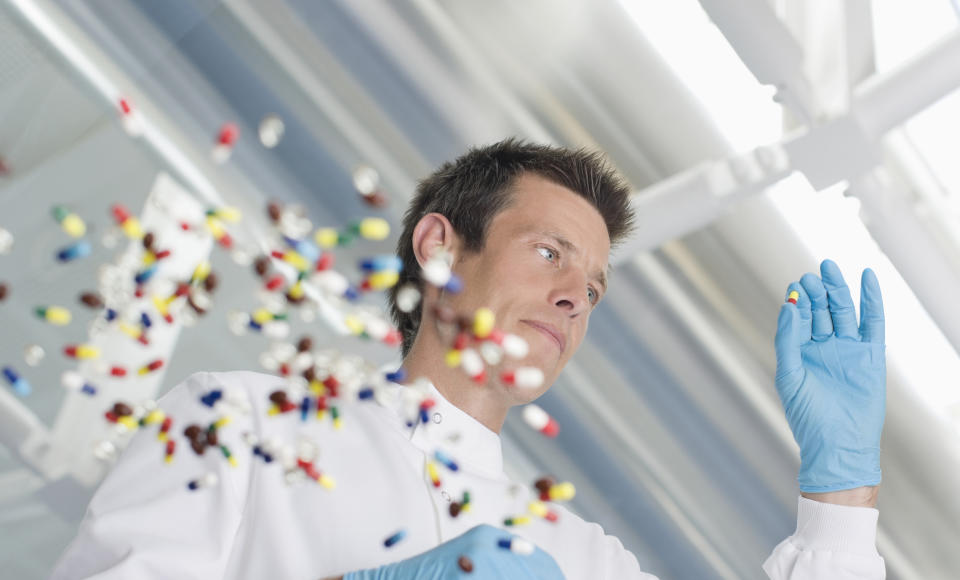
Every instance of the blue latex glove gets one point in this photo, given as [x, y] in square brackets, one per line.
[480, 545]
[832, 379]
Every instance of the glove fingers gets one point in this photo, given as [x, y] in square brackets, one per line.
[871, 308]
[822, 323]
[787, 342]
[805, 324]
[842, 314]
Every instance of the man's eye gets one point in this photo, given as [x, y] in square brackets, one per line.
[547, 253]
[592, 295]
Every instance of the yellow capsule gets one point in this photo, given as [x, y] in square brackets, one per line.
[128, 422]
[517, 521]
[168, 459]
[453, 358]
[327, 481]
[273, 410]
[149, 258]
[161, 304]
[130, 330]
[74, 226]
[230, 214]
[326, 238]
[154, 416]
[538, 508]
[353, 324]
[215, 226]
[562, 491]
[232, 460]
[433, 473]
[131, 228]
[383, 280]
[296, 291]
[483, 322]
[55, 315]
[374, 228]
[337, 423]
[296, 260]
[221, 422]
[83, 351]
[201, 272]
[262, 316]
[317, 388]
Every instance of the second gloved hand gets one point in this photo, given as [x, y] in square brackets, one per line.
[831, 378]
[480, 546]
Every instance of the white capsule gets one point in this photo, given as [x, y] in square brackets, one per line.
[331, 282]
[271, 130]
[515, 346]
[491, 352]
[6, 241]
[436, 271]
[72, 380]
[33, 354]
[283, 350]
[301, 362]
[521, 546]
[209, 480]
[366, 180]
[269, 362]
[408, 297]
[239, 322]
[276, 329]
[528, 377]
[535, 417]
[471, 362]
[376, 328]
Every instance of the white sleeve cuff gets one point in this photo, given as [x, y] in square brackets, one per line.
[836, 528]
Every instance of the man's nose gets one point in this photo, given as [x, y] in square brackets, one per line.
[570, 294]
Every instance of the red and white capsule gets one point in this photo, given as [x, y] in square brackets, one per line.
[523, 377]
[540, 420]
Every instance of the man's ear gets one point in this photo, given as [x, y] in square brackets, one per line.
[434, 233]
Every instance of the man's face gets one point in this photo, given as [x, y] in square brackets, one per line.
[542, 270]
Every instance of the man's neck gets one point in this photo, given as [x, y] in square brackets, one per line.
[485, 402]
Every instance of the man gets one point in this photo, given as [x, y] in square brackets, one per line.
[528, 230]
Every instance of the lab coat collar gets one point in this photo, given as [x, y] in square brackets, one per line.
[467, 441]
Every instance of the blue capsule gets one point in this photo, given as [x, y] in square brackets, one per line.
[365, 393]
[17, 383]
[454, 285]
[145, 275]
[305, 408]
[381, 263]
[80, 249]
[445, 459]
[211, 398]
[145, 320]
[305, 248]
[111, 314]
[398, 376]
[395, 538]
[424, 416]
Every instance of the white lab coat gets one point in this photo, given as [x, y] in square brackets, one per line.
[143, 522]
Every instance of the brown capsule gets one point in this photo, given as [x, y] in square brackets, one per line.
[3, 291]
[466, 564]
[148, 240]
[544, 484]
[212, 438]
[278, 397]
[122, 410]
[198, 446]
[274, 211]
[91, 299]
[304, 344]
[455, 508]
[197, 309]
[261, 265]
[294, 299]
[193, 432]
[310, 373]
[375, 199]
[210, 282]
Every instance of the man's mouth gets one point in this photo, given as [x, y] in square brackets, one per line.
[549, 331]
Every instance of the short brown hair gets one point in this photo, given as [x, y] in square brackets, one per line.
[475, 187]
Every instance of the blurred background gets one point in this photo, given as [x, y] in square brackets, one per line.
[761, 136]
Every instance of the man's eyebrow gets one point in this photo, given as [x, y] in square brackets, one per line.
[567, 245]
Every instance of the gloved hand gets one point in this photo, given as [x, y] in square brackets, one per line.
[831, 378]
[487, 559]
